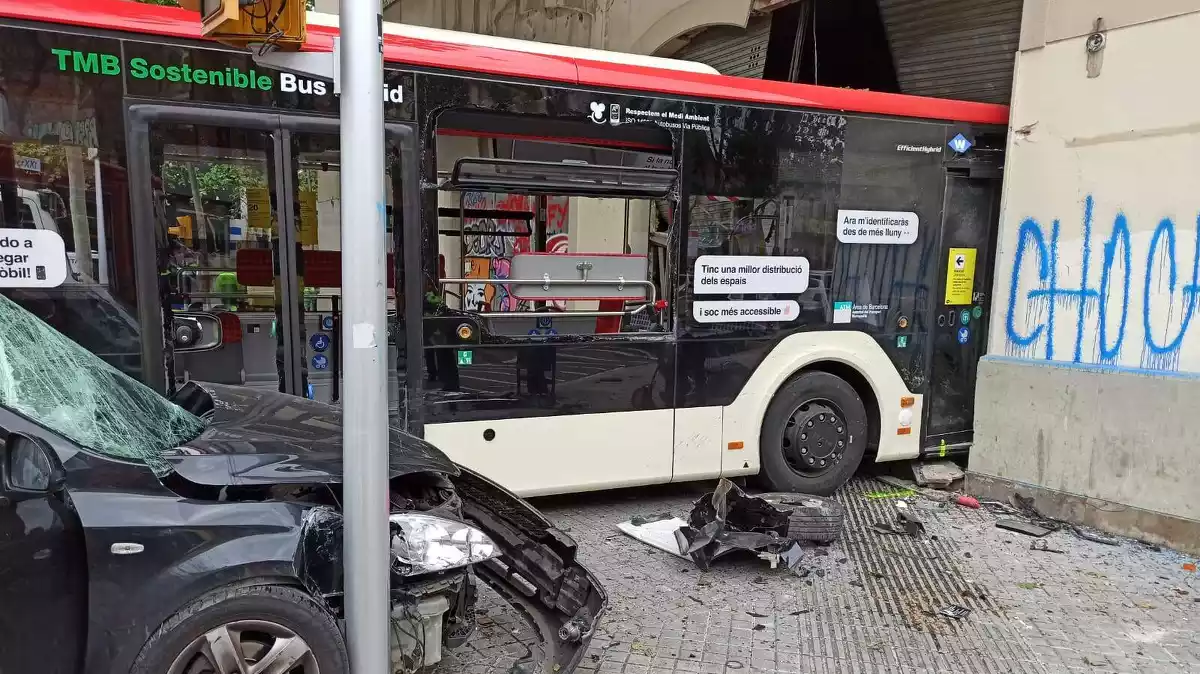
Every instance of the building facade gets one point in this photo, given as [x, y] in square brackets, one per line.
[1084, 400]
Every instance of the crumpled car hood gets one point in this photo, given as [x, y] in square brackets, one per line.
[264, 437]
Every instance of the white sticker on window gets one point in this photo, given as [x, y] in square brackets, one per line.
[32, 258]
[841, 312]
[750, 275]
[880, 227]
[746, 311]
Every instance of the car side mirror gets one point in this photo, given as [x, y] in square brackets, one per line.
[31, 468]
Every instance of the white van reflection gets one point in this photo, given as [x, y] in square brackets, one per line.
[44, 209]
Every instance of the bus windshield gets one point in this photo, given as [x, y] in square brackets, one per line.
[58, 384]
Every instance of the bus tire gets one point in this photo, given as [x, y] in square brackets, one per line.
[813, 436]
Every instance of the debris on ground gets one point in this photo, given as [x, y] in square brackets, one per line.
[911, 524]
[659, 534]
[967, 501]
[1041, 546]
[897, 493]
[770, 525]
[1189, 567]
[639, 520]
[938, 474]
[1023, 505]
[897, 482]
[906, 523]
[1095, 536]
[954, 611]
[1030, 586]
[1020, 527]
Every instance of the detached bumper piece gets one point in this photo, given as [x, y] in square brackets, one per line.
[538, 573]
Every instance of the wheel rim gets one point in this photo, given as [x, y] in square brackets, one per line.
[246, 647]
[815, 438]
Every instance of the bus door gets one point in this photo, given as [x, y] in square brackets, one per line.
[549, 354]
[237, 227]
[970, 219]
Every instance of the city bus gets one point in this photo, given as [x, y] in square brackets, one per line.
[604, 270]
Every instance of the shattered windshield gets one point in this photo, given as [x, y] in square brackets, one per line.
[64, 387]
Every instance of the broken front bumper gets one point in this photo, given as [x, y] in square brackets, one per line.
[538, 573]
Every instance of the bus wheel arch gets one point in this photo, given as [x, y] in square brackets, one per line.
[817, 429]
[855, 378]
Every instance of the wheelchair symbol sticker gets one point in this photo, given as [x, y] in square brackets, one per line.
[319, 342]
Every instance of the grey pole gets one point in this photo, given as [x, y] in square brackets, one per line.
[364, 322]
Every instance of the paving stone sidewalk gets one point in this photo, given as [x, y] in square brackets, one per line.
[868, 603]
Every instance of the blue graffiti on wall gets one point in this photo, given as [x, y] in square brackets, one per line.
[1105, 305]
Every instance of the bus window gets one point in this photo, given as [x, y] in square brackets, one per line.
[62, 169]
[559, 255]
[216, 225]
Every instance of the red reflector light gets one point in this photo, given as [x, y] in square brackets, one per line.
[231, 327]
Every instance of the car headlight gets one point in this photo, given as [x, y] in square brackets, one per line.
[427, 544]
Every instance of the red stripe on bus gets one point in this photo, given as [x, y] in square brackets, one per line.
[132, 17]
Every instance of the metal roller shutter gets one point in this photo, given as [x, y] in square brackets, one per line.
[961, 49]
[732, 51]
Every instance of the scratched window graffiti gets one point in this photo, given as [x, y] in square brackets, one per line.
[1108, 288]
[488, 245]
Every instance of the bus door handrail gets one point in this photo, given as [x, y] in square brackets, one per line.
[546, 282]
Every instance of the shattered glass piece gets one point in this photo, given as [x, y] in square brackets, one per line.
[60, 385]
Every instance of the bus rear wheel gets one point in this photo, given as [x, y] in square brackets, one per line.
[814, 435]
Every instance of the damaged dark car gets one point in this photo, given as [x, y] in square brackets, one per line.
[203, 535]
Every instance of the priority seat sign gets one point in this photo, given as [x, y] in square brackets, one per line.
[32, 258]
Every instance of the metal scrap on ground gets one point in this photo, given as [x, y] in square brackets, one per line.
[727, 520]
[1022, 527]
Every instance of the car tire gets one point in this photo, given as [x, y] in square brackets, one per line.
[250, 614]
[828, 408]
[810, 518]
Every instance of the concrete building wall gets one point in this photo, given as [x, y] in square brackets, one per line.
[1094, 342]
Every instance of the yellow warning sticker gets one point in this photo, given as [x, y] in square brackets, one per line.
[258, 207]
[960, 276]
[308, 218]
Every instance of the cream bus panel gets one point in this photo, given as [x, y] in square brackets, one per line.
[553, 455]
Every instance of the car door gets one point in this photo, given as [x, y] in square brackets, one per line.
[43, 581]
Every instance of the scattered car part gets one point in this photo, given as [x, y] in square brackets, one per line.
[954, 611]
[1041, 546]
[1095, 536]
[659, 534]
[910, 523]
[1020, 527]
[812, 518]
[728, 519]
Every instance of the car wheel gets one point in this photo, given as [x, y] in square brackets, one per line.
[813, 436]
[810, 518]
[261, 628]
